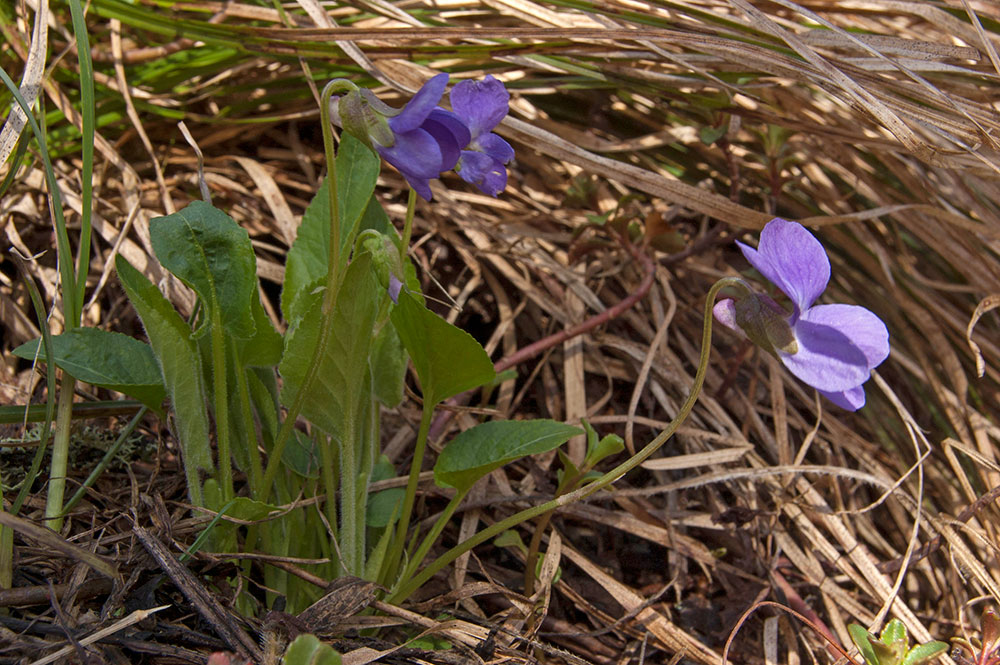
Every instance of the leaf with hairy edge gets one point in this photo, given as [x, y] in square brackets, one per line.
[923, 653]
[339, 388]
[860, 636]
[477, 451]
[105, 359]
[180, 367]
[208, 251]
[447, 359]
[357, 171]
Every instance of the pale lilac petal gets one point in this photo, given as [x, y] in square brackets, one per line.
[865, 330]
[827, 359]
[416, 153]
[496, 147]
[417, 110]
[793, 259]
[480, 104]
[395, 286]
[852, 399]
[725, 313]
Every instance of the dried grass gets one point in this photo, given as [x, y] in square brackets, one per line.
[888, 147]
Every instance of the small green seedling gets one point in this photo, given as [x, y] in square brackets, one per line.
[893, 647]
[985, 651]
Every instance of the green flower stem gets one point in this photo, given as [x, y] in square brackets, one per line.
[531, 560]
[396, 551]
[414, 583]
[221, 393]
[432, 535]
[329, 297]
[60, 454]
[411, 206]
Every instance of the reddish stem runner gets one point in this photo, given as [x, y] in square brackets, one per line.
[536, 348]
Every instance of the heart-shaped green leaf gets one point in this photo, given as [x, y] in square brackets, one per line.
[208, 251]
[447, 359]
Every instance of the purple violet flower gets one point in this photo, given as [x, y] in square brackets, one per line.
[481, 105]
[421, 140]
[833, 348]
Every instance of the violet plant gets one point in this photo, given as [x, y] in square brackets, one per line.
[298, 413]
[832, 348]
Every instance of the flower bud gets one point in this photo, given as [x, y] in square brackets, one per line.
[765, 323]
[365, 120]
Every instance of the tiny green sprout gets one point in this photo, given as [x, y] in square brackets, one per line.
[892, 647]
[984, 651]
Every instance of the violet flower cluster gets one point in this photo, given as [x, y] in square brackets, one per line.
[423, 140]
[833, 348]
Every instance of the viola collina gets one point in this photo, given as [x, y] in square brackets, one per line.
[423, 140]
[833, 348]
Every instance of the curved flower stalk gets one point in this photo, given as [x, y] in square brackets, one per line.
[421, 140]
[481, 105]
[833, 348]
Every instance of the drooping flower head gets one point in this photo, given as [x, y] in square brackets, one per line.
[421, 140]
[833, 348]
[481, 105]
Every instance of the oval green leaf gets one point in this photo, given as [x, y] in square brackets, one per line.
[923, 653]
[477, 451]
[308, 650]
[105, 359]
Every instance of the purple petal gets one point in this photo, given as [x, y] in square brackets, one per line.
[480, 104]
[450, 134]
[473, 166]
[483, 171]
[416, 153]
[793, 259]
[852, 399]
[725, 313]
[496, 147]
[494, 181]
[417, 110]
[834, 345]
[420, 185]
